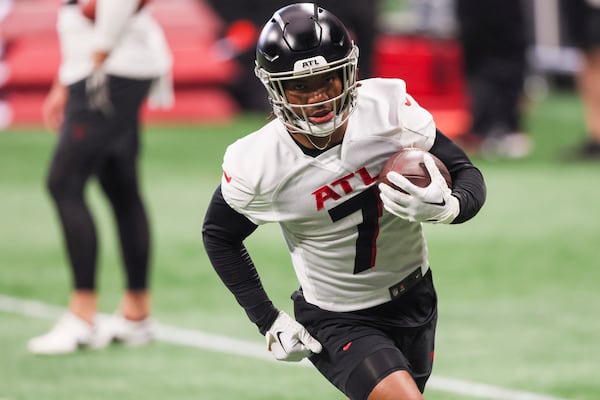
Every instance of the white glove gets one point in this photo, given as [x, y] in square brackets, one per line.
[433, 203]
[98, 94]
[290, 341]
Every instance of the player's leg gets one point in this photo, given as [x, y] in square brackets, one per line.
[370, 367]
[589, 76]
[82, 143]
[383, 375]
[582, 21]
[590, 84]
[118, 176]
[401, 372]
[397, 385]
[360, 358]
[119, 180]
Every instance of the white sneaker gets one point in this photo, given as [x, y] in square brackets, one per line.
[117, 328]
[67, 335]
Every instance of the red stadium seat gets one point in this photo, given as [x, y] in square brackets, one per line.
[432, 69]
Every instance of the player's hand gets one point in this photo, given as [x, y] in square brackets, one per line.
[97, 92]
[54, 106]
[290, 341]
[433, 203]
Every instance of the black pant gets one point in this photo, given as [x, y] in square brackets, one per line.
[493, 38]
[92, 144]
[582, 22]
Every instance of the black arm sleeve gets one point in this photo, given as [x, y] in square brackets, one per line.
[467, 181]
[223, 232]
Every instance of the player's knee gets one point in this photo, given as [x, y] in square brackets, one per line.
[58, 185]
[120, 187]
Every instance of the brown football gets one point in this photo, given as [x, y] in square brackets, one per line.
[88, 7]
[409, 163]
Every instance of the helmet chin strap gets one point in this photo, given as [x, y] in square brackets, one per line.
[318, 131]
[321, 130]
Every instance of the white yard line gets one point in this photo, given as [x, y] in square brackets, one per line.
[224, 344]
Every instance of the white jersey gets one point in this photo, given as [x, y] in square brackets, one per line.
[347, 251]
[135, 41]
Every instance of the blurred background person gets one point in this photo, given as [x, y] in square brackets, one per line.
[112, 52]
[582, 21]
[493, 37]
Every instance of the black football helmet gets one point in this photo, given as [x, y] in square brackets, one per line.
[303, 40]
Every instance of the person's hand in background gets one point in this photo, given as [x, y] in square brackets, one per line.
[54, 105]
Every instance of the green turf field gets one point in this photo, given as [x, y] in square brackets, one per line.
[518, 285]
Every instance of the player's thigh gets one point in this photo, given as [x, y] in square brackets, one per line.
[356, 354]
[357, 366]
[399, 385]
[417, 345]
[118, 170]
[82, 142]
[382, 374]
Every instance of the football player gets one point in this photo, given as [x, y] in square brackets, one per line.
[366, 309]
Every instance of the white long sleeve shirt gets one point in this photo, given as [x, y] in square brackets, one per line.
[136, 43]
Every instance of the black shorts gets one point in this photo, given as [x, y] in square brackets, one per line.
[360, 348]
[582, 23]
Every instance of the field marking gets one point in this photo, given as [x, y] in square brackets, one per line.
[224, 344]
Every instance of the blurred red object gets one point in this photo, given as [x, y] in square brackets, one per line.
[433, 71]
[242, 34]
